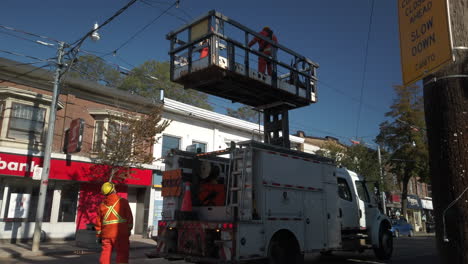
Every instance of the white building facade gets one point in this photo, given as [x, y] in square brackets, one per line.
[211, 131]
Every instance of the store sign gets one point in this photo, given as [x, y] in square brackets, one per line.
[19, 205]
[425, 41]
[18, 165]
[25, 166]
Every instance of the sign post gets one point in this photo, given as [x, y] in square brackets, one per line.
[425, 38]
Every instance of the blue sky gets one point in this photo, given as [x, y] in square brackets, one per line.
[332, 33]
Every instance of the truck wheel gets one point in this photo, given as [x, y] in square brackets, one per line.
[385, 249]
[411, 233]
[397, 233]
[284, 251]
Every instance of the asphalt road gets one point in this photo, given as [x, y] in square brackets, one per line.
[407, 251]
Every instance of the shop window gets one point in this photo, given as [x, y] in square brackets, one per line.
[362, 191]
[68, 202]
[26, 122]
[34, 203]
[22, 203]
[343, 190]
[168, 143]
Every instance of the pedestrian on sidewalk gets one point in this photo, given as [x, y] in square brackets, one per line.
[113, 225]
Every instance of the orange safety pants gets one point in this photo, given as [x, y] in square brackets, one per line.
[121, 245]
[263, 64]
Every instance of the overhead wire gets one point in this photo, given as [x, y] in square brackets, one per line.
[29, 33]
[79, 41]
[169, 13]
[23, 55]
[365, 67]
[24, 73]
[143, 28]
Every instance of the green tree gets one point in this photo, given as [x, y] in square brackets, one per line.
[357, 157]
[363, 160]
[405, 140]
[95, 69]
[152, 76]
[245, 113]
[146, 80]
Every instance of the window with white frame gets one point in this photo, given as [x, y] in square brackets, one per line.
[23, 117]
[26, 122]
[105, 128]
[168, 143]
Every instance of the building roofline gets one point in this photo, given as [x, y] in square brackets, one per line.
[203, 114]
[27, 74]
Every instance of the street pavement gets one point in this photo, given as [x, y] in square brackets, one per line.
[420, 249]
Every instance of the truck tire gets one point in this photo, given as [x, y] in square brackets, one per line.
[385, 248]
[397, 233]
[411, 233]
[284, 251]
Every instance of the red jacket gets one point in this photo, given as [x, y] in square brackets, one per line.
[263, 45]
[115, 218]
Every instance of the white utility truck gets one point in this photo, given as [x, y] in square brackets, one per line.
[256, 201]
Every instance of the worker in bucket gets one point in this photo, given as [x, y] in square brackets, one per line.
[113, 225]
[265, 48]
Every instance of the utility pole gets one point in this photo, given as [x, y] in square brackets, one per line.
[382, 193]
[48, 150]
[446, 110]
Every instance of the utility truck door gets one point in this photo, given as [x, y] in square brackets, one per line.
[348, 211]
[369, 209]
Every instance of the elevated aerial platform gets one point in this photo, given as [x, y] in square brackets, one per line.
[211, 55]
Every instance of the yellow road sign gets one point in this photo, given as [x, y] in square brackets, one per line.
[425, 39]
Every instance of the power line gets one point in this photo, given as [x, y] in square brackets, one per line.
[23, 55]
[77, 43]
[28, 33]
[25, 73]
[143, 28]
[169, 13]
[365, 67]
[374, 108]
[20, 64]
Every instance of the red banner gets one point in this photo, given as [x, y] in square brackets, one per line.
[23, 166]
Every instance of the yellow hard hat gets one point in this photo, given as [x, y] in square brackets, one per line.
[107, 188]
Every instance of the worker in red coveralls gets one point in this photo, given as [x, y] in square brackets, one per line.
[113, 225]
[265, 48]
[204, 50]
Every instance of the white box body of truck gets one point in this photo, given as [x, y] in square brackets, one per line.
[263, 202]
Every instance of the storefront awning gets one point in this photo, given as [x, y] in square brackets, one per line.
[414, 202]
[427, 204]
[23, 166]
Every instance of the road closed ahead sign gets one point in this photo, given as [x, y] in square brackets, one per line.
[425, 40]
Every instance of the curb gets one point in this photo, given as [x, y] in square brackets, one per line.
[77, 251]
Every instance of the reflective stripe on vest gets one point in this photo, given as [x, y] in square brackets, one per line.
[110, 209]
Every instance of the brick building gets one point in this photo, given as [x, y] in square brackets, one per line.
[73, 189]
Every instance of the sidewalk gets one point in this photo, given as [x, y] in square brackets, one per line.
[423, 234]
[56, 248]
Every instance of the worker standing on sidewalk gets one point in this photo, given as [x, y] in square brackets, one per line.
[265, 48]
[113, 225]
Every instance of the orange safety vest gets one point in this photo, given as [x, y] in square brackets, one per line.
[115, 218]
